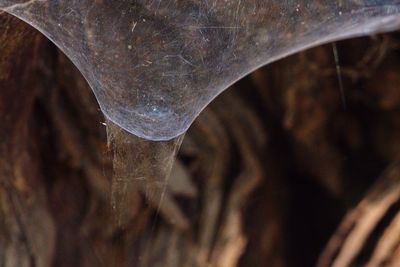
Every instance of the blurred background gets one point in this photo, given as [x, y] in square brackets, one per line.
[295, 165]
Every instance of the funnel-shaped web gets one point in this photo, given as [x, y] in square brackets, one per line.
[155, 64]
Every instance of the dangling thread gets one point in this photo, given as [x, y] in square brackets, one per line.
[339, 75]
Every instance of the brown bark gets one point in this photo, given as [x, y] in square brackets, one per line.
[265, 175]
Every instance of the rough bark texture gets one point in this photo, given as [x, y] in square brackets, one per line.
[276, 172]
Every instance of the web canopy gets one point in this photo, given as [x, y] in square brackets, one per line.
[154, 65]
